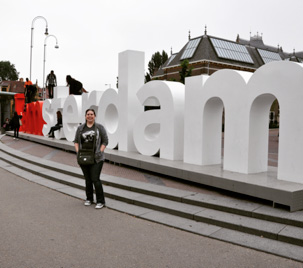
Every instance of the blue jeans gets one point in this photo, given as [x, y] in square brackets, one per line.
[92, 179]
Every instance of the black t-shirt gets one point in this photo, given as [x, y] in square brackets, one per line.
[88, 137]
[75, 87]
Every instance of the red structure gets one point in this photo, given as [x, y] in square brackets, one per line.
[19, 107]
[32, 120]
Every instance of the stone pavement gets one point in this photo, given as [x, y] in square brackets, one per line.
[52, 225]
[41, 228]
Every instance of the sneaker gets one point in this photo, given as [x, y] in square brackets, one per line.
[87, 203]
[99, 205]
[14, 138]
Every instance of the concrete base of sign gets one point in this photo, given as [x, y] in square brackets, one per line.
[263, 185]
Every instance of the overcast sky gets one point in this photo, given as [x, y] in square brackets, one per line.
[91, 33]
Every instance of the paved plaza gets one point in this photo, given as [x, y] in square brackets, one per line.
[44, 228]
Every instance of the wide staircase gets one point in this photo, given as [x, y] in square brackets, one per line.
[240, 221]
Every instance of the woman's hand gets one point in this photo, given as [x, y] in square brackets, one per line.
[102, 148]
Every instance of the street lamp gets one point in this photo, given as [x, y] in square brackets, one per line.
[32, 35]
[44, 60]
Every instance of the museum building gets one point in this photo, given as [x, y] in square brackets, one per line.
[207, 54]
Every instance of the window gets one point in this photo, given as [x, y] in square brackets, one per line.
[269, 56]
[170, 59]
[190, 48]
[231, 51]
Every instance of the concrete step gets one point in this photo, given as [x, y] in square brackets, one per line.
[73, 176]
[263, 185]
[171, 213]
[231, 236]
[221, 203]
[262, 228]
[160, 199]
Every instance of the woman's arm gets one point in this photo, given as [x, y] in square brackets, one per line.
[77, 147]
[77, 139]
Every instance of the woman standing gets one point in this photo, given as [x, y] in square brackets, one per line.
[15, 123]
[92, 135]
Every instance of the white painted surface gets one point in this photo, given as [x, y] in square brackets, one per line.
[188, 125]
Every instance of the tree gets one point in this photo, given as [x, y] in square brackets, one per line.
[147, 77]
[185, 71]
[157, 60]
[8, 71]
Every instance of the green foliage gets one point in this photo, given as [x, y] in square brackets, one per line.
[185, 71]
[164, 57]
[157, 60]
[147, 78]
[8, 71]
[274, 124]
[154, 63]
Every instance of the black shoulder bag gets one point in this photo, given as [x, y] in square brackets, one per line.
[87, 156]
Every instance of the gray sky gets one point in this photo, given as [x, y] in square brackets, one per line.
[91, 33]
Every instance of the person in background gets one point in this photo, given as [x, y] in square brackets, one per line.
[51, 82]
[27, 83]
[57, 126]
[75, 87]
[27, 90]
[15, 123]
[6, 125]
[86, 135]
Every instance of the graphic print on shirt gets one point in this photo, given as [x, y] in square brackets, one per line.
[87, 139]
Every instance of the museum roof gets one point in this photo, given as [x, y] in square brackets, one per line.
[250, 54]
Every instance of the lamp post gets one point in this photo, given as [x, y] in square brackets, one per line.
[44, 60]
[32, 36]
